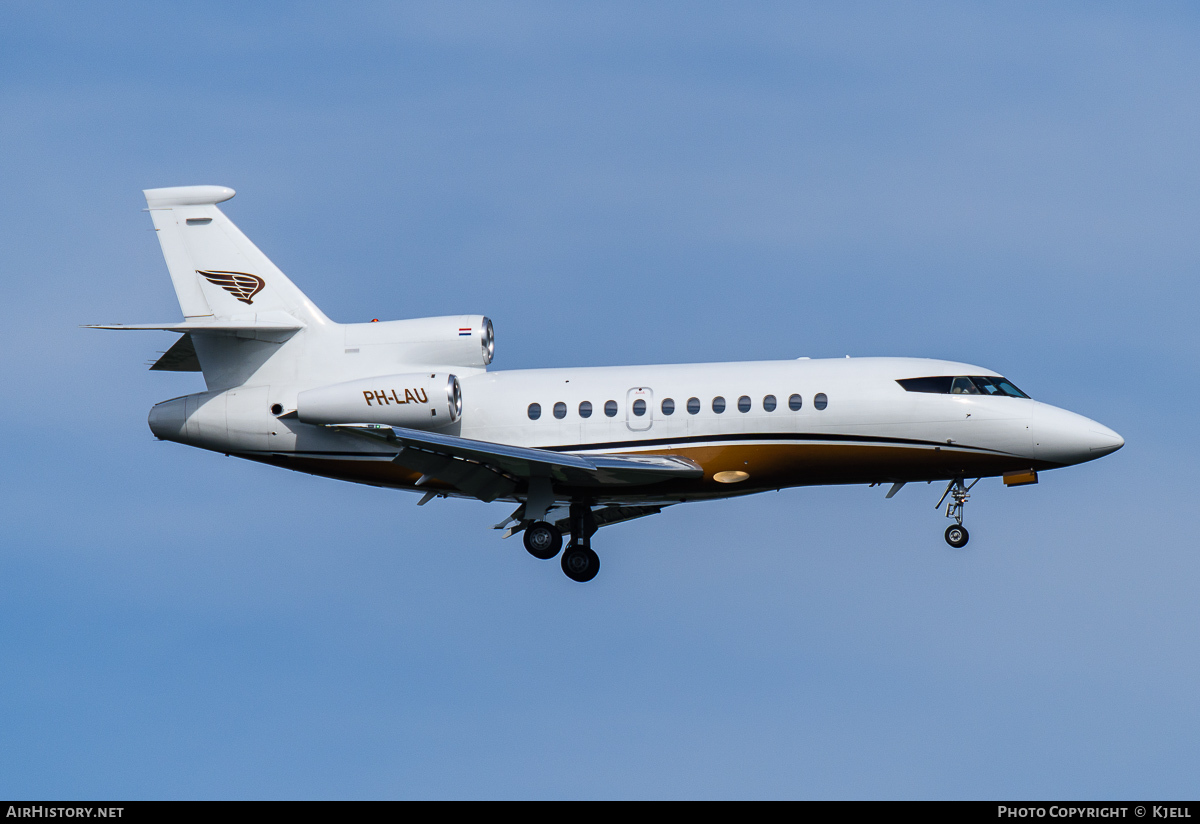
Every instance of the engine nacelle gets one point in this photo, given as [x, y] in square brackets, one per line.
[423, 400]
[456, 340]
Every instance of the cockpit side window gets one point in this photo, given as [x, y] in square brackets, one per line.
[998, 386]
[962, 385]
[986, 387]
[933, 386]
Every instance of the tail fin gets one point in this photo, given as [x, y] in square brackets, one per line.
[218, 273]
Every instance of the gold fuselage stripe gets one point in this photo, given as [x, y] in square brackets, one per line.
[768, 465]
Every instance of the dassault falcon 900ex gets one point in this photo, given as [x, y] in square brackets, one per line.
[410, 404]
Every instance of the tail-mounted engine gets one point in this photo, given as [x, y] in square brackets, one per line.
[458, 340]
[423, 400]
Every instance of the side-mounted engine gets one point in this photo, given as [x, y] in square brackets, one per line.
[424, 400]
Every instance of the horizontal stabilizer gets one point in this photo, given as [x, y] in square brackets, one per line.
[265, 322]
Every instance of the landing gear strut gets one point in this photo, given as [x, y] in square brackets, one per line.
[579, 561]
[544, 539]
[958, 492]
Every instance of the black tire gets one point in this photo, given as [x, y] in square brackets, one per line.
[957, 536]
[580, 563]
[542, 540]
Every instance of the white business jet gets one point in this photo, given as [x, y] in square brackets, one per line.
[410, 404]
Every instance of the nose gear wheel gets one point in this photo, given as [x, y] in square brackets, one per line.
[958, 492]
[957, 536]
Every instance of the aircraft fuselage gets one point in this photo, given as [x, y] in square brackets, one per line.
[854, 424]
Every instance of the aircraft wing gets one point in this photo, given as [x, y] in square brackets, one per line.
[489, 470]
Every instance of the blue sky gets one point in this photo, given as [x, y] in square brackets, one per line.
[1010, 185]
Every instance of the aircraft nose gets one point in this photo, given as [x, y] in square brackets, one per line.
[1103, 440]
[1066, 438]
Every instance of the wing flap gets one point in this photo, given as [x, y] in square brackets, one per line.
[488, 470]
[525, 462]
[473, 478]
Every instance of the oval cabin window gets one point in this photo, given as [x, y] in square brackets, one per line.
[535, 411]
[585, 409]
[560, 410]
[820, 401]
[744, 403]
[718, 404]
[769, 403]
[795, 402]
[610, 408]
[668, 406]
[693, 406]
[639, 407]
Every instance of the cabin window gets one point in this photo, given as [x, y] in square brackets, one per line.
[820, 401]
[718, 404]
[585, 409]
[744, 403]
[535, 411]
[610, 408]
[795, 402]
[693, 406]
[769, 403]
[668, 406]
[560, 410]
[639, 407]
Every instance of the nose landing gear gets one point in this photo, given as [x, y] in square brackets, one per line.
[957, 536]
[958, 492]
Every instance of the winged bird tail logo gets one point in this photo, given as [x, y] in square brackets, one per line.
[242, 285]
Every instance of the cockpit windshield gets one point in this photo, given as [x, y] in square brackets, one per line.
[963, 385]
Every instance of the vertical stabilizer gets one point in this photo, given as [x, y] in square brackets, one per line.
[218, 273]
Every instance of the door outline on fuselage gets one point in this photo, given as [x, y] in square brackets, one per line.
[639, 423]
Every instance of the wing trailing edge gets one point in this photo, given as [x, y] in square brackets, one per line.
[488, 470]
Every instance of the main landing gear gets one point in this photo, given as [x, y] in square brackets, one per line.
[542, 540]
[579, 561]
[958, 492]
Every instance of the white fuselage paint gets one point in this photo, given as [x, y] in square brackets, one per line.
[871, 429]
[862, 399]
